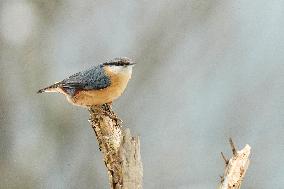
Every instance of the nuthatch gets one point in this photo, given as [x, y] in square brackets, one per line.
[99, 85]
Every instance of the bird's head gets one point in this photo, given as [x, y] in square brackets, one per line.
[119, 65]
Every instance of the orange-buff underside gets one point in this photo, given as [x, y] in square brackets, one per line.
[95, 97]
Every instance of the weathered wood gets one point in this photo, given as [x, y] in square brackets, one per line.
[121, 151]
[235, 168]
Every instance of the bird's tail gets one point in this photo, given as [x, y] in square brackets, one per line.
[51, 88]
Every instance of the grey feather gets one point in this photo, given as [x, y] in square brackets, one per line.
[94, 78]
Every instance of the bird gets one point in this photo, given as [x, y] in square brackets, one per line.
[98, 85]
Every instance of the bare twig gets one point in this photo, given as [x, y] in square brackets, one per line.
[225, 159]
[235, 168]
[233, 147]
[121, 151]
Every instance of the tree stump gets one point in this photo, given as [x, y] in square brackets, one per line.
[120, 150]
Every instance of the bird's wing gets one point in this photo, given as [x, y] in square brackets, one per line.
[94, 78]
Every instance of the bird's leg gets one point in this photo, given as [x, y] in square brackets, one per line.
[108, 111]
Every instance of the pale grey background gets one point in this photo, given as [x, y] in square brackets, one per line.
[206, 70]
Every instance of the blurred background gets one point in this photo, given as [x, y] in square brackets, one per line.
[206, 70]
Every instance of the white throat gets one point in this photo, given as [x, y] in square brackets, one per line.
[121, 69]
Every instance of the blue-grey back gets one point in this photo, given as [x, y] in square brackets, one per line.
[93, 78]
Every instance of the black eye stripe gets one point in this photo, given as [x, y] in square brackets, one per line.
[118, 62]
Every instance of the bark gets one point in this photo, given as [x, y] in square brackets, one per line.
[235, 168]
[121, 151]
